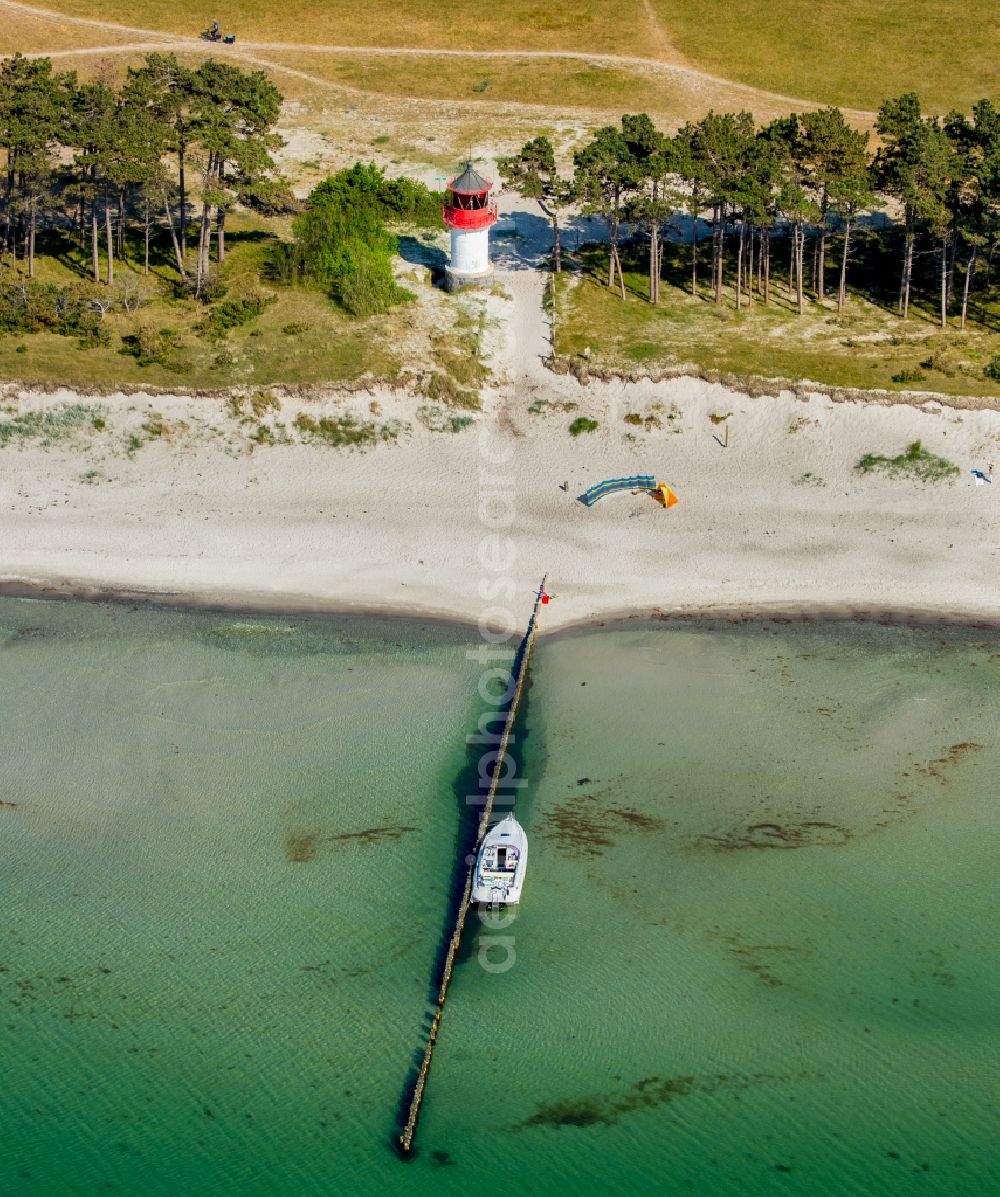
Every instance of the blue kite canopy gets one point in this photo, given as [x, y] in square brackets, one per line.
[610, 485]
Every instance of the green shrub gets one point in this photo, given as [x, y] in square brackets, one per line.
[28, 305]
[98, 337]
[582, 424]
[992, 368]
[295, 328]
[362, 281]
[341, 239]
[913, 462]
[149, 346]
[908, 376]
[234, 313]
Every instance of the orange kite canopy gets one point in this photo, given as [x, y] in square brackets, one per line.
[664, 494]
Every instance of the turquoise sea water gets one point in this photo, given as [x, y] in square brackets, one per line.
[756, 953]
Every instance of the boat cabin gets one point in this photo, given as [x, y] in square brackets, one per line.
[500, 858]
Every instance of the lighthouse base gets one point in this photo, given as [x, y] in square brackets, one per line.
[455, 280]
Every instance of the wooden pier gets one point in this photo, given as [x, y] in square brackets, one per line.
[462, 909]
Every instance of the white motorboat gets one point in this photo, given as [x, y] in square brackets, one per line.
[500, 865]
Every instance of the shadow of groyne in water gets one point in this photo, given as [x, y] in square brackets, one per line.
[470, 791]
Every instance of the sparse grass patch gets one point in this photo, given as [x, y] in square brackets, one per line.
[583, 424]
[252, 407]
[439, 419]
[539, 407]
[442, 388]
[914, 462]
[637, 420]
[346, 431]
[266, 435]
[49, 425]
[461, 368]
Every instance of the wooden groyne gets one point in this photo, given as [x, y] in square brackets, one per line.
[462, 908]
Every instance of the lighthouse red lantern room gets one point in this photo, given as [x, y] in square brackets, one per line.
[469, 213]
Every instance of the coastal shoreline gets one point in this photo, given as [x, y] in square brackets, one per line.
[298, 606]
[176, 502]
[774, 517]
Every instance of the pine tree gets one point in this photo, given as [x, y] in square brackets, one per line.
[167, 90]
[723, 144]
[692, 171]
[975, 197]
[92, 133]
[605, 177]
[655, 199]
[235, 114]
[835, 168]
[33, 110]
[914, 166]
[531, 172]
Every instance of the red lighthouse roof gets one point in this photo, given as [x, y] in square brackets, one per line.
[467, 205]
[470, 182]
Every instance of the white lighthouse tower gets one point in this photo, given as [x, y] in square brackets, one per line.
[469, 214]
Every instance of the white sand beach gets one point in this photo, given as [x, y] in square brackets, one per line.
[777, 519]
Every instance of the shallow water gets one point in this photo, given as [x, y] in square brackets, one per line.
[756, 952]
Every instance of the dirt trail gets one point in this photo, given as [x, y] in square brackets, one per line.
[246, 49]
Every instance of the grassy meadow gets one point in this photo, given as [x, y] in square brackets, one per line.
[851, 52]
[866, 347]
[562, 84]
[603, 26]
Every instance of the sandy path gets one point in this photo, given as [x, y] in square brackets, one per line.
[247, 50]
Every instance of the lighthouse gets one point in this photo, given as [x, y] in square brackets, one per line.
[469, 214]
